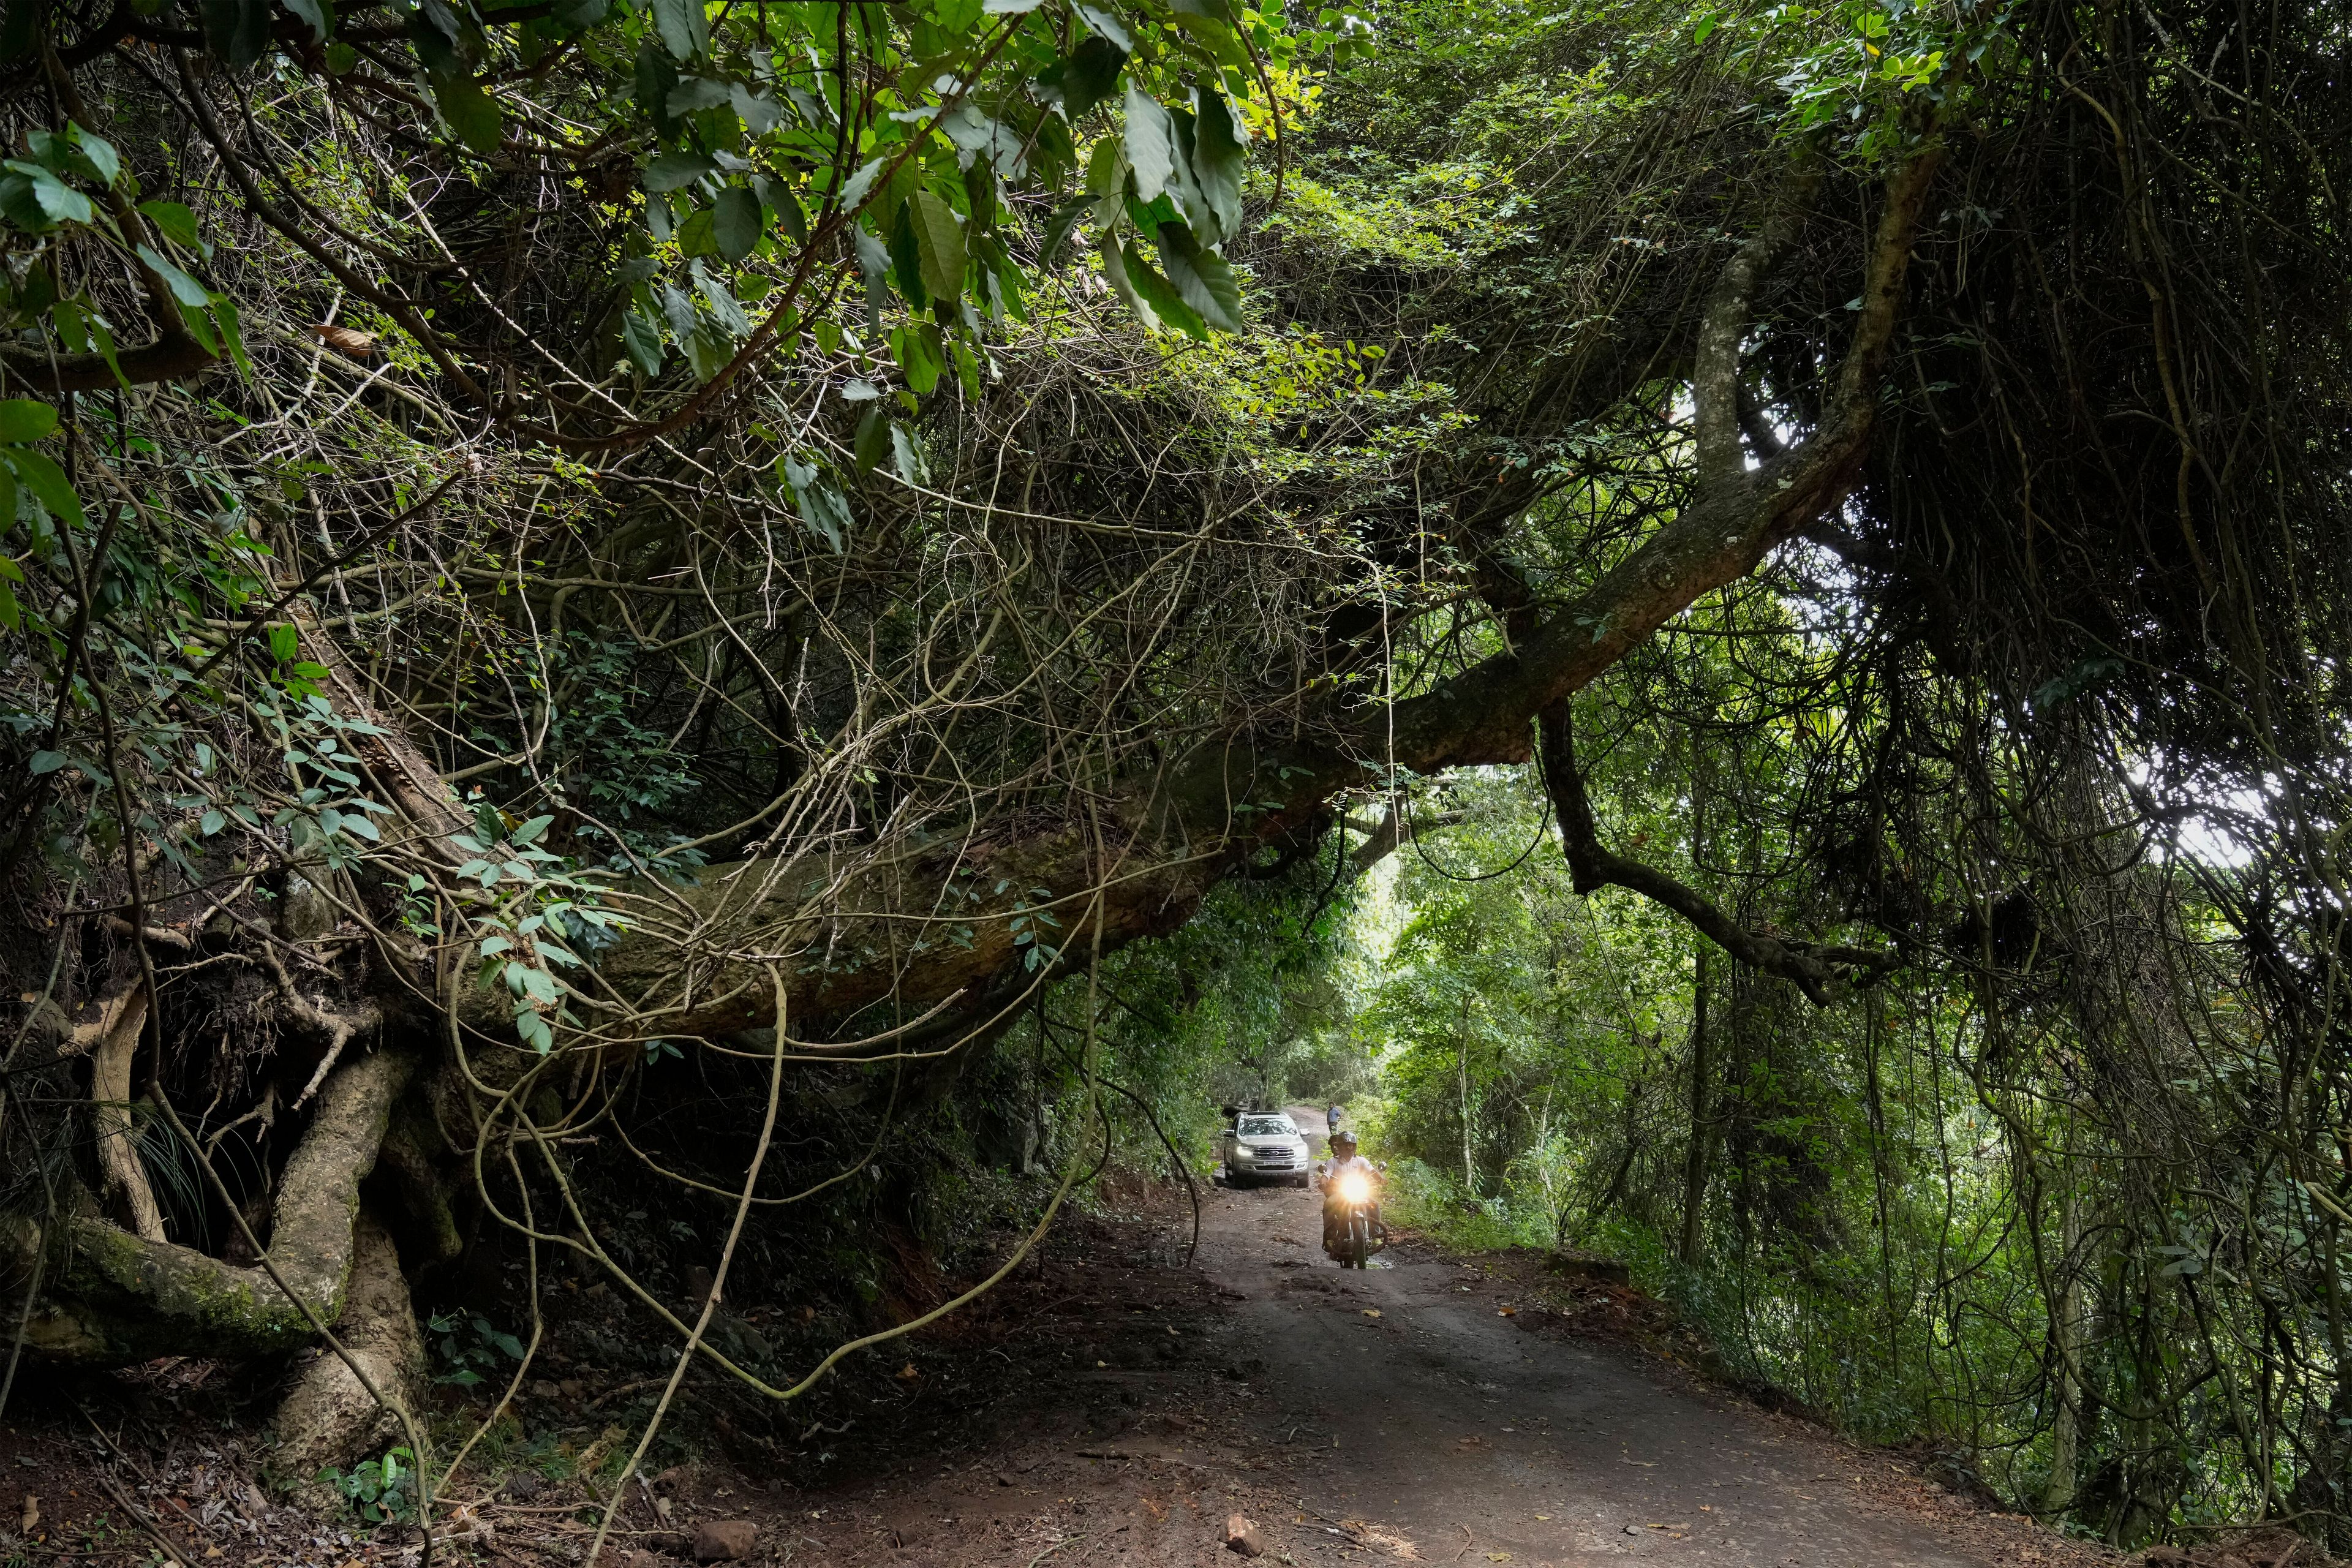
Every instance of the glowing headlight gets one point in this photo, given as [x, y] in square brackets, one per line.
[1355, 1187]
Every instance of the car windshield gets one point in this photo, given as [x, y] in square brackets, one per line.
[1266, 1126]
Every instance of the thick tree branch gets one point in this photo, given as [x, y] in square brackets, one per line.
[1396, 829]
[1722, 326]
[1811, 969]
[904, 933]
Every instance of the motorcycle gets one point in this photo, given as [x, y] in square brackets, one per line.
[1352, 1242]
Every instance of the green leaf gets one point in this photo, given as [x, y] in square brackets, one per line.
[778, 198]
[938, 238]
[185, 288]
[1218, 155]
[98, 156]
[907, 458]
[905, 251]
[919, 352]
[1204, 279]
[237, 30]
[48, 483]
[1114, 266]
[46, 763]
[471, 112]
[57, 201]
[736, 222]
[673, 169]
[656, 80]
[724, 306]
[696, 92]
[685, 28]
[872, 442]
[641, 336]
[318, 14]
[695, 236]
[1089, 74]
[213, 823]
[1150, 143]
[853, 189]
[23, 420]
[224, 313]
[1163, 299]
[707, 351]
[174, 223]
[284, 642]
[1104, 20]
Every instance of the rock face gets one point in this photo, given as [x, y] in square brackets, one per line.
[725, 1541]
[1242, 1536]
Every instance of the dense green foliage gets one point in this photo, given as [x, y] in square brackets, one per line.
[832, 616]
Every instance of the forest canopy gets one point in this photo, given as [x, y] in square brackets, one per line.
[838, 610]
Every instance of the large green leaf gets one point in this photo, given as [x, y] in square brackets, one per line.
[673, 169]
[1089, 74]
[938, 239]
[318, 14]
[1201, 276]
[1114, 266]
[1218, 156]
[918, 348]
[906, 258]
[237, 30]
[23, 420]
[174, 223]
[872, 442]
[1150, 143]
[736, 222]
[47, 482]
[1165, 302]
[683, 27]
[641, 335]
[656, 78]
[56, 201]
[185, 288]
[471, 111]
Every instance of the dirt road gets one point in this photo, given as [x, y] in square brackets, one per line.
[1394, 1414]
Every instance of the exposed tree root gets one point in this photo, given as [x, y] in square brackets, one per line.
[329, 1417]
[110, 1101]
[116, 1297]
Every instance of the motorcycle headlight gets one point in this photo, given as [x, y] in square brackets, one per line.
[1355, 1187]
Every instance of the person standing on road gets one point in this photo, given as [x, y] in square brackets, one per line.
[1332, 1122]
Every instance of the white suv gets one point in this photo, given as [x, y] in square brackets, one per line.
[1263, 1146]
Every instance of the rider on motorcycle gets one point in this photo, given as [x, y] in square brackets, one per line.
[1344, 1159]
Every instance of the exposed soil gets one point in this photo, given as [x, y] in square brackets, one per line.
[1109, 1409]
